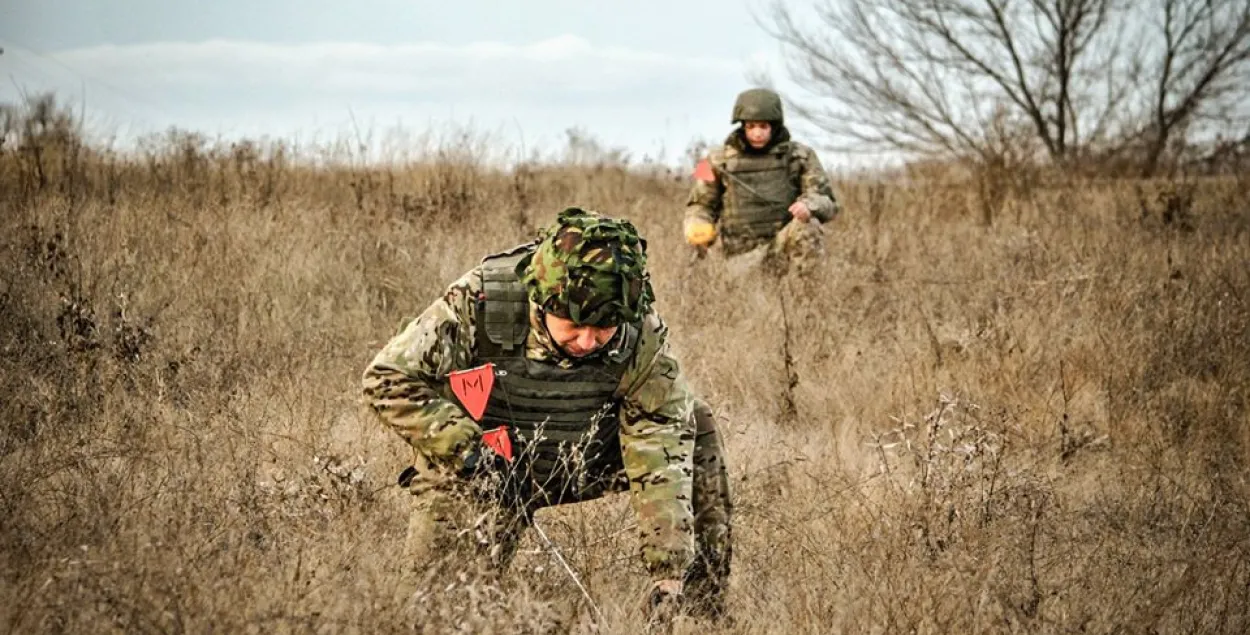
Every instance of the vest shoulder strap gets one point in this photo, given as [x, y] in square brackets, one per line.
[505, 319]
[504, 309]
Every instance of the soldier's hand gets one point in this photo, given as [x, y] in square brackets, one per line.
[454, 443]
[700, 233]
[481, 460]
[800, 211]
[663, 605]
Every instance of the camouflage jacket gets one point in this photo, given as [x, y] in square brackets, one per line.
[706, 199]
[406, 386]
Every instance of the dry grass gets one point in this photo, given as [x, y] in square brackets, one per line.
[1037, 425]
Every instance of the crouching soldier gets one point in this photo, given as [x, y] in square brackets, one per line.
[542, 377]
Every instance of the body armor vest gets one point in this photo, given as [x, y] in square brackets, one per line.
[759, 190]
[565, 420]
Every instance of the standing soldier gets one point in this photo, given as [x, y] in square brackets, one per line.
[761, 189]
[544, 377]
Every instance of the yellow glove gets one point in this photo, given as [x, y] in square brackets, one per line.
[700, 233]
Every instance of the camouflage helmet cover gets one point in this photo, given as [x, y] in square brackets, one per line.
[757, 104]
[590, 269]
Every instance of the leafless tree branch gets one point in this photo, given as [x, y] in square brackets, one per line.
[945, 77]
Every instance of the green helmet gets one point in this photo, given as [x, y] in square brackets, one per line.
[757, 104]
[590, 269]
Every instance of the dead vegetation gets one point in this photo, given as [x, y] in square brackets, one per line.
[1037, 424]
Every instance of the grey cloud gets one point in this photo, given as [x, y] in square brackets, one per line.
[547, 68]
[531, 92]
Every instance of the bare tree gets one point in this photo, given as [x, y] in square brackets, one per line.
[1202, 72]
[974, 78]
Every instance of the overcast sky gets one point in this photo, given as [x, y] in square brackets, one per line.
[647, 75]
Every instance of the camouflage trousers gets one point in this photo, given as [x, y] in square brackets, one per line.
[798, 246]
[449, 524]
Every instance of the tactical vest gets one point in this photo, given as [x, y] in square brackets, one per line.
[759, 190]
[565, 420]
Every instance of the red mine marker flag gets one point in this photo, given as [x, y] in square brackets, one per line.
[499, 441]
[472, 387]
[703, 172]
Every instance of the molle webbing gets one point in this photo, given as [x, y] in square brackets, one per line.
[759, 192]
[507, 319]
[565, 419]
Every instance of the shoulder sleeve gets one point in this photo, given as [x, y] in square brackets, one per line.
[814, 185]
[705, 199]
[405, 385]
[657, 443]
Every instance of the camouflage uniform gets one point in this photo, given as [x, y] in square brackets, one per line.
[744, 193]
[621, 419]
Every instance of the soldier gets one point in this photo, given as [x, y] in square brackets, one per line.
[761, 188]
[542, 377]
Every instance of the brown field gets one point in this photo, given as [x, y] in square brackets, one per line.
[1036, 425]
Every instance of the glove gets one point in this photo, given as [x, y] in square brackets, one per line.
[700, 233]
[454, 443]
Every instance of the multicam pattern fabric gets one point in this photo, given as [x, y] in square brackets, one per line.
[407, 387]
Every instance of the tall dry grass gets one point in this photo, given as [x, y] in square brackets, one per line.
[1035, 424]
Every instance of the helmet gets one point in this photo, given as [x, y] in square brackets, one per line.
[757, 104]
[590, 269]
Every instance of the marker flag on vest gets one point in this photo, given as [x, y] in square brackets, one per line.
[499, 441]
[703, 172]
[473, 386]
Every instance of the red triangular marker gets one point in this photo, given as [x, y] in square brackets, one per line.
[499, 441]
[473, 386]
[703, 172]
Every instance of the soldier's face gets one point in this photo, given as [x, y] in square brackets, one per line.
[575, 340]
[758, 132]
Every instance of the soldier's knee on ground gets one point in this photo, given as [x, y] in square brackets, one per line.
[451, 526]
[803, 241]
[430, 527]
